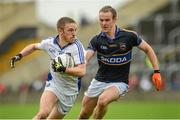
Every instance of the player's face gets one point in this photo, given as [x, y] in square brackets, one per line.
[106, 21]
[69, 32]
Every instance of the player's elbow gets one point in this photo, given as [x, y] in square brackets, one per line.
[82, 73]
[33, 46]
[81, 70]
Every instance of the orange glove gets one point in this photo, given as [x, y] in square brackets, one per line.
[156, 79]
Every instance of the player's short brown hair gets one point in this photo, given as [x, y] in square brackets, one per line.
[109, 9]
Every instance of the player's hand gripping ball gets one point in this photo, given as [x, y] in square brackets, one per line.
[62, 61]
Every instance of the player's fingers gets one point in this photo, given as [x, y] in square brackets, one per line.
[158, 84]
[53, 65]
[12, 63]
[154, 80]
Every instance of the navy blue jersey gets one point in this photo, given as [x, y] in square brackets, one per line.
[114, 55]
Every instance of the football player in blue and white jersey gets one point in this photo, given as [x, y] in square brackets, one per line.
[61, 91]
[114, 54]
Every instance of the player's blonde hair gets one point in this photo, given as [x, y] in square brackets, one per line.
[62, 21]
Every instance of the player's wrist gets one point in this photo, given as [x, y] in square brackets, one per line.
[20, 56]
[63, 69]
[157, 71]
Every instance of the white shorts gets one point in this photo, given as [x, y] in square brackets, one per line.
[97, 87]
[65, 102]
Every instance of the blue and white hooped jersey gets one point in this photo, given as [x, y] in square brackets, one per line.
[76, 49]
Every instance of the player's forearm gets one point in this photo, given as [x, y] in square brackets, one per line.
[150, 53]
[77, 71]
[153, 58]
[28, 49]
[89, 55]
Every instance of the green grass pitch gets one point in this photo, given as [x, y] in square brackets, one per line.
[116, 110]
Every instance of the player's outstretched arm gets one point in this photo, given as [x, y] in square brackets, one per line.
[26, 51]
[156, 78]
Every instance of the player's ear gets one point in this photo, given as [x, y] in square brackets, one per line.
[60, 30]
[115, 19]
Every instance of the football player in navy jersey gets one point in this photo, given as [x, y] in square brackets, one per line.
[113, 46]
[61, 89]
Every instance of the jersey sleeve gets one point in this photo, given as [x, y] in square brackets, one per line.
[136, 39]
[79, 53]
[92, 44]
[42, 45]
